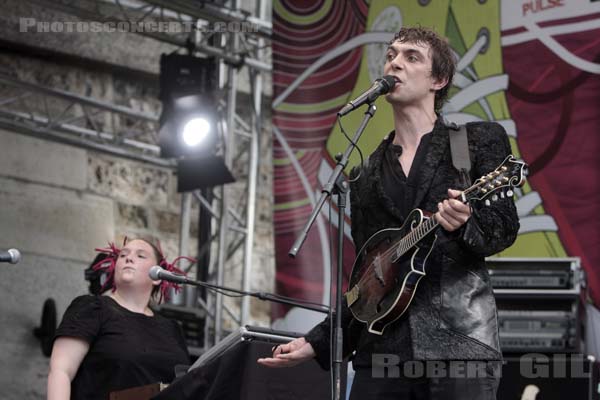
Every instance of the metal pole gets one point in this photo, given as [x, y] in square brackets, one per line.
[342, 190]
[228, 155]
[252, 176]
[66, 95]
[184, 236]
[190, 293]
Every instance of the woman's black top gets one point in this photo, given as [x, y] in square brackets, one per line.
[127, 349]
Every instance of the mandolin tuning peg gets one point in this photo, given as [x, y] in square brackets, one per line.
[509, 193]
[495, 197]
[502, 194]
[487, 202]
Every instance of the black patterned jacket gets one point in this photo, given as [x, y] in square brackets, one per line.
[453, 313]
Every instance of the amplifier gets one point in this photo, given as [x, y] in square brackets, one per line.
[518, 342]
[528, 330]
[538, 303]
[539, 324]
[536, 321]
[522, 279]
[535, 273]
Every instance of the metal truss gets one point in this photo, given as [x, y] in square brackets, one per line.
[66, 117]
[189, 29]
[70, 118]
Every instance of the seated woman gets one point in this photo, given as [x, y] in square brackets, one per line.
[113, 342]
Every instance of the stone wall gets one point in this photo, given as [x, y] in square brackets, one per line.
[58, 202]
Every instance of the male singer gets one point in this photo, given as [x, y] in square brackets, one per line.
[452, 318]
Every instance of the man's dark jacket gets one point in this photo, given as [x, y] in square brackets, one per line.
[453, 313]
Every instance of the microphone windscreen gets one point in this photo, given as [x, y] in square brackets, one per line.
[390, 81]
[15, 256]
[154, 273]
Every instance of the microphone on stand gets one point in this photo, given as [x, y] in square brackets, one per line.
[379, 87]
[157, 273]
[12, 256]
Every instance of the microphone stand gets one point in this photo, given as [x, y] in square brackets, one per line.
[336, 185]
[259, 295]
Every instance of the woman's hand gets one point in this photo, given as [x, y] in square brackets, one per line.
[287, 355]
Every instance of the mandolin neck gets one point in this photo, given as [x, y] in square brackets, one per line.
[415, 236]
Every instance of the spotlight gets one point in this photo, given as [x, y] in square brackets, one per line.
[188, 123]
[195, 131]
[188, 120]
[188, 127]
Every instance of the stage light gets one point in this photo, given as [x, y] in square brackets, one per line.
[188, 122]
[195, 131]
[188, 127]
[188, 92]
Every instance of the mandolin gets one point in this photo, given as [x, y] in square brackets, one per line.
[391, 263]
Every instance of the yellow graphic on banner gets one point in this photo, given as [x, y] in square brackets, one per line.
[473, 30]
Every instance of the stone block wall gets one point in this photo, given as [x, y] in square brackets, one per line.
[59, 202]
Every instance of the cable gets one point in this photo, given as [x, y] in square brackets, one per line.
[356, 147]
[312, 303]
[235, 294]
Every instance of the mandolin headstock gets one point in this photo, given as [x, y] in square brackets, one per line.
[507, 176]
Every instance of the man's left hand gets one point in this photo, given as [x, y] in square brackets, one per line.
[452, 213]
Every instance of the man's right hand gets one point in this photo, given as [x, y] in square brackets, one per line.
[287, 355]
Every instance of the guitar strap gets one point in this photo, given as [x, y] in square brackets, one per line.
[459, 150]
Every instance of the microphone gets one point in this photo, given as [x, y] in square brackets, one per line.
[379, 87]
[12, 256]
[157, 273]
